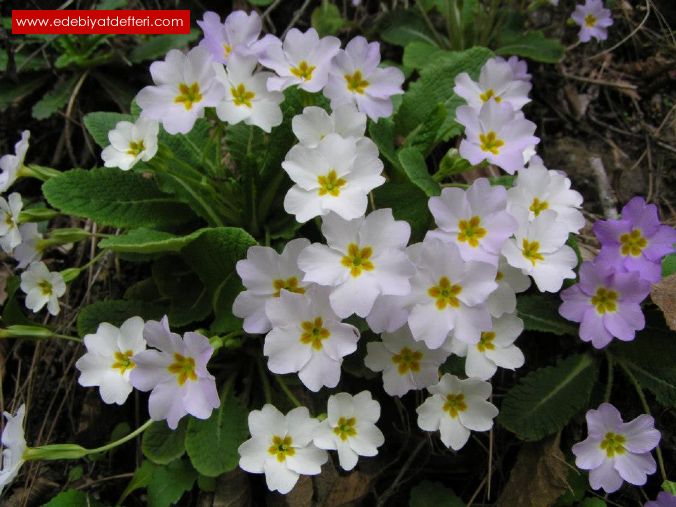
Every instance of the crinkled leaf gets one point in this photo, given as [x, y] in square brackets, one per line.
[326, 19]
[533, 45]
[143, 240]
[99, 124]
[403, 27]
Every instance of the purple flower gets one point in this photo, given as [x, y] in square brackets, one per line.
[637, 242]
[616, 451]
[235, 35]
[519, 67]
[663, 499]
[593, 20]
[176, 374]
[607, 303]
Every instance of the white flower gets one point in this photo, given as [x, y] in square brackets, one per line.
[42, 287]
[131, 142]
[10, 235]
[364, 258]
[350, 428]
[307, 337]
[281, 447]
[10, 164]
[28, 251]
[265, 273]
[510, 282]
[475, 220]
[246, 96]
[495, 349]
[336, 176]
[14, 447]
[519, 67]
[315, 124]
[303, 59]
[109, 359]
[235, 35]
[496, 133]
[497, 82]
[357, 79]
[406, 364]
[538, 189]
[539, 250]
[184, 85]
[456, 408]
[448, 294]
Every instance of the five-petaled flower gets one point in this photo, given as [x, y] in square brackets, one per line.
[593, 20]
[42, 287]
[130, 143]
[10, 232]
[236, 35]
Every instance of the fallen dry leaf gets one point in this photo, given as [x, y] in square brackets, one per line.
[664, 296]
[232, 490]
[300, 496]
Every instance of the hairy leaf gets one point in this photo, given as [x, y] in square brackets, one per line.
[402, 27]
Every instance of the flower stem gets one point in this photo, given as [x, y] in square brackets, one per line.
[287, 391]
[609, 382]
[267, 392]
[122, 440]
[646, 407]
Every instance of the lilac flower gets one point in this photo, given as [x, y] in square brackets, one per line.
[357, 79]
[176, 374]
[616, 451]
[606, 303]
[593, 20]
[663, 499]
[519, 67]
[637, 242]
[235, 35]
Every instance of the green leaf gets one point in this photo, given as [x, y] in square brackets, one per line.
[408, 203]
[118, 88]
[99, 124]
[418, 55]
[169, 483]
[260, 3]
[545, 400]
[592, 502]
[403, 27]
[435, 87]
[140, 480]
[12, 93]
[147, 241]
[435, 494]
[668, 265]
[72, 498]
[415, 167]
[452, 163]
[161, 444]
[533, 45]
[54, 99]
[326, 19]
[157, 46]
[223, 298]
[541, 313]
[424, 137]
[116, 198]
[115, 312]
[382, 133]
[212, 443]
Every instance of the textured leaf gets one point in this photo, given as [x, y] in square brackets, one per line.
[148, 241]
[169, 483]
[99, 124]
[545, 400]
[533, 45]
[161, 444]
[158, 45]
[54, 99]
[212, 443]
[541, 313]
[418, 54]
[403, 27]
[115, 312]
[116, 198]
[434, 87]
[428, 493]
[415, 167]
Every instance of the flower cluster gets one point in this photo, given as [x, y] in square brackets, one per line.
[607, 299]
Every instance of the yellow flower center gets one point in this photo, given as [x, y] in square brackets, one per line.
[486, 341]
[407, 360]
[314, 333]
[184, 368]
[356, 83]
[590, 20]
[531, 251]
[445, 293]
[290, 284]
[346, 428]
[455, 403]
[357, 260]
[303, 71]
[189, 95]
[135, 148]
[488, 94]
[123, 361]
[538, 206]
[45, 287]
[281, 448]
[227, 49]
[613, 443]
[9, 220]
[470, 231]
[605, 300]
[330, 184]
[499, 276]
[490, 142]
[632, 243]
[241, 96]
